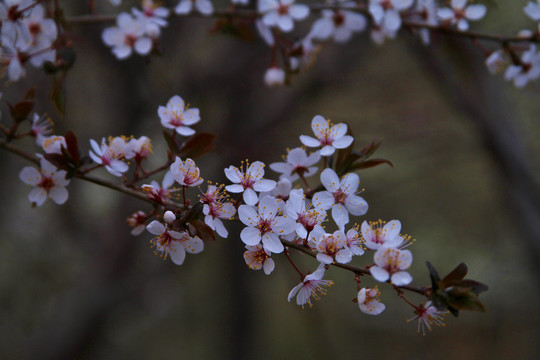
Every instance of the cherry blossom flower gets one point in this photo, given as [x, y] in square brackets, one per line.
[306, 217]
[313, 285]
[41, 126]
[390, 264]
[154, 14]
[340, 196]
[176, 115]
[10, 56]
[354, 241]
[298, 164]
[128, 35]
[333, 247]
[496, 62]
[109, 156]
[385, 13]
[379, 233]
[173, 243]
[329, 136]
[138, 149]
[216, 208]
[248, 181]
[186, 173]
[159, 193]
[459, 12]
[527, 71]
[43, 33]
[368, 301]
[205, 7]
[264, 224]
[281, 13]
[427, 315]
[427, 13]
[338, 24]
[258, 257]
[532, 10]
[53, 144]
[137, 221]
[274, 77]
[48, 181]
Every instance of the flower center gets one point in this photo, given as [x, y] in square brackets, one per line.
[338, 18]
[47, 183]
[340, 196]
[283, 9]
[265, 226]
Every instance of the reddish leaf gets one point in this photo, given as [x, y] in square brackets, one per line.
[73, 147]
[197, 145]
[203, 231]
[370, 163]
[21, 110]
[30, 94]
[57, 160]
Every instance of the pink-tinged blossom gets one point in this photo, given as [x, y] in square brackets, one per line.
[329, 136]
[43, 33]
[386, 13]
[368, 301]
[297, 164]
[48, 182]
[204, 7]
[340, 196]
[496, 61]
[41, 127]
[459, 14]
[532, 10]
[129, 35]
[109, 156]
[390, 264]
[313, 285]
[137, 221]
[53, 144]
[333, 247]
[215, 208]
[354, 241]
[138, 149]
[157, 193]
[528, 70]
[257, 257]
[264, 224]
[379, 233]
[176, 115]
[154, 14]
[173, 243]
[427, 315]
[186, 173]
[339, 25]
[248, 181]
[282, 13]
[306, 216]
[427, 13]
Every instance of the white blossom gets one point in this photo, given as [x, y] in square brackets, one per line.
[48, 182]
[282, 13]
[459, 13]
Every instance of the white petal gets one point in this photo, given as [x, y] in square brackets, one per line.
[30, 176]
[323, 200]
[299, 11]
[236, 188]
[324, 259]
[248, 215]
[309, 141]
[156, 228]
[327, 150]
[475, 12]
[445, 14]
[356, 205]
[59, 195]
[177, 253]
[143, 45]
[264, 185]
[250, 197]
[330, 180]
[340, 215]
[401, 278]
[463, 25]
[194, 245]
[250, 236]
[184, 7]
[343, 142]
[205, 7]
[392, 20]
[268, 266]
[37, 195]
[379, 273]
[271, 243]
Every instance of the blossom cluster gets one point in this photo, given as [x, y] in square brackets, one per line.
[29, 35]
[311, 206]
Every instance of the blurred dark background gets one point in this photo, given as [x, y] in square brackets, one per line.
[76, 285]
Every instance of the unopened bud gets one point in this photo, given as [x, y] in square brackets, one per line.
[274, 76]
[169, 217]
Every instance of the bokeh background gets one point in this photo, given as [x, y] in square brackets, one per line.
[74, 284]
